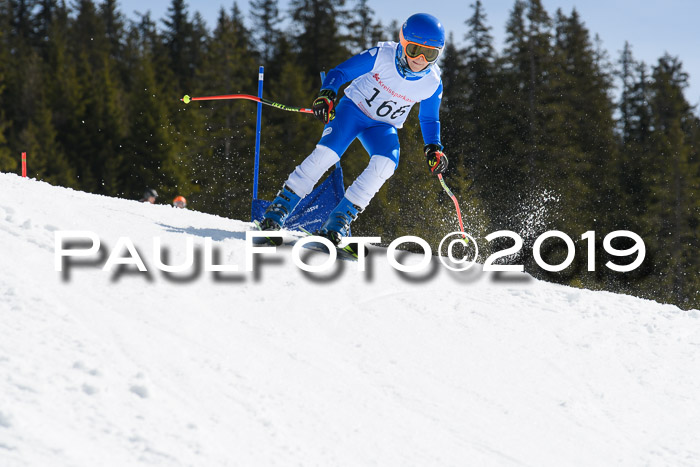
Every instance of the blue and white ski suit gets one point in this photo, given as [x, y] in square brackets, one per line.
[376, 103]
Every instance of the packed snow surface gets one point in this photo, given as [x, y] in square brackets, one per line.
[280, 367]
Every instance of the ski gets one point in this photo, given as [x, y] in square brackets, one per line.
[276, 238]
[346, 252]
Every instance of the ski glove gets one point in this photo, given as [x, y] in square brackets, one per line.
[323, 105]
[437, 161]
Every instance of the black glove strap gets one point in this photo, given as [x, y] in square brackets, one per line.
[329, 93]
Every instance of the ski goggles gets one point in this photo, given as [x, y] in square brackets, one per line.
[415, 50]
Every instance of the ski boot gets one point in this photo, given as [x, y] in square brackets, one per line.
[277, 212]
[337, 225]
[279, 209]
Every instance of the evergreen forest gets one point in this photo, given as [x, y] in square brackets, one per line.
[550, 133]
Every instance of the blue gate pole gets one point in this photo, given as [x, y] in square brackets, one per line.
[261, 73]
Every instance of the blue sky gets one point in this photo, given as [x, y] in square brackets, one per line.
[651, 27]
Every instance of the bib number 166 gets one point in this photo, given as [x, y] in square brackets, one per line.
[387, 108]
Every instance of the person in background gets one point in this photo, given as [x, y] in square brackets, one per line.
[180, 202]
[149, 196]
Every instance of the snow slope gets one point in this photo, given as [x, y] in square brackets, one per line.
[280, 367]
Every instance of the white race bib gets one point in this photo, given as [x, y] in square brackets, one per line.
[383, 95]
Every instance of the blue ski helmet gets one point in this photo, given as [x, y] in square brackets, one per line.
[424, 29]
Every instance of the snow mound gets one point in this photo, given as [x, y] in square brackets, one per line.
[346, 368]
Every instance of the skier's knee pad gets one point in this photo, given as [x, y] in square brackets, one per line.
[383, 166]
[369, 182]
[307, 174]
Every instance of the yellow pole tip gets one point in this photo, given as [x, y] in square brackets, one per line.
[186, 99]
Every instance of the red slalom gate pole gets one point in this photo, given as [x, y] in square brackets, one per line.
[24, 164]
[459, 212]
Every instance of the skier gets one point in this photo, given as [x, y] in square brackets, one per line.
[180, 202]
[149, 196]
[387, 81]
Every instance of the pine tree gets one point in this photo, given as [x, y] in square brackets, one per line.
[21, 27]
[96, 139]
[288, 137]
[480, 52]
[454, 108]
[183, 44]
[18, 49]
[7, 163]
[674, 206]
[266, 20]
[155, 153]
[635, 157]
[42, 22]
[538, 86]
[47, 159]
[626, 76]
[479, 129]
[364, 32]
[114, 27]
[585, 115]
[509, 176]
[318, 34]
[224, 163]
[526, 148]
